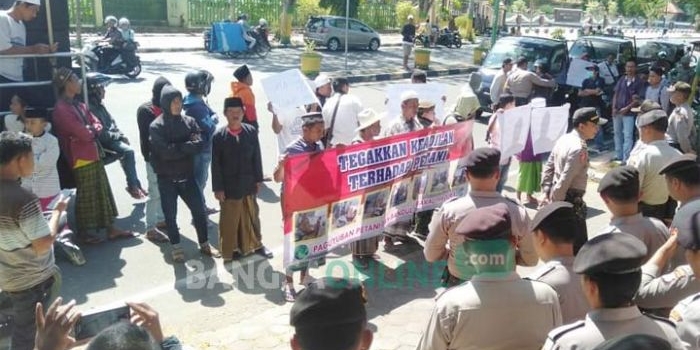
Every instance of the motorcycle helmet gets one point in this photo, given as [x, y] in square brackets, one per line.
[541, 64]
[262, 22]
[199, 82]
[124, 23]
[95, 82]
[111, 20]
[662, 55]
[243, 16]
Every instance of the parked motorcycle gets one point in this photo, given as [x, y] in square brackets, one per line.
[445, 37]
[105, 59]
[262, 44]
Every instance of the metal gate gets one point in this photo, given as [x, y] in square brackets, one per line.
[139, 12]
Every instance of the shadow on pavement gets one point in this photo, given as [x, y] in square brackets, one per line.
[255, 275]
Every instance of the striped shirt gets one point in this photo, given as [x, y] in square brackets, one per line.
[44, 183]
[21, 222]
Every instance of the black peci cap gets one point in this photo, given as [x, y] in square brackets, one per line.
[327, 302]
[621, 180]
[486, 223]
[610, 253]
[483, 158]
[557, 210]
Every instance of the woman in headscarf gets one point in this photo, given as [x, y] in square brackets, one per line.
[77, 130]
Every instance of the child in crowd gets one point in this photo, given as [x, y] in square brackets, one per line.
[15, 120]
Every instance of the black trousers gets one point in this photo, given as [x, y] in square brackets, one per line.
[663, 212]
[575, 197]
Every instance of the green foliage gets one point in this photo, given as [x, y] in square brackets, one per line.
[612, 9]
[518, 6]
[558, 34]
[595, 8]
[403, 9]
[338, 8]
[305, 9]
[462, 22]
[653, 9]
[546, 9]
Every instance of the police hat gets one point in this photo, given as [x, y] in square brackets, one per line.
[563, 211]
[327, 302]
[483, 158]
[686, 223]
[650, 117]
[588, 114]
[646, 106]
[611, 253]
[241, 72]
[486, 223]
[635, 342]
[622, 179]
[311, 118]
[679, 163]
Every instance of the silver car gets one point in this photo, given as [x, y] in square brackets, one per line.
[329, 31]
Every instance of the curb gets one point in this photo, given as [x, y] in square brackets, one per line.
[195, 49]
[377, 77]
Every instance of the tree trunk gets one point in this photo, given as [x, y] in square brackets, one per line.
[286, 22]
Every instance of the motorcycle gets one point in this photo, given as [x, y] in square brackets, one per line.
[106, 59]
[262, 45]
[445, 37]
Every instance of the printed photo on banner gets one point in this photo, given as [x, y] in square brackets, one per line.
[399, 192]
[459, 185]
[310, 225]
[375, 204]
[419, 183]
[438, 181]
[288, 90]
[432, 92]
[345, 213]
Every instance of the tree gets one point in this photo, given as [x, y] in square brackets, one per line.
[653, 9]
[424, 7]
[337, 7]
[612, 9]
[518, 6]
[595, 9]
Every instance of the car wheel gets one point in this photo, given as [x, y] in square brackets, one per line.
[374, 45]
[334, 44]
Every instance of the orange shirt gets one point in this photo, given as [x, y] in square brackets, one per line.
[242, 90]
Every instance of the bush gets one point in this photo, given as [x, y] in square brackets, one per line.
[307, 8]
[558, 34]
[546, 9]
[403, 9]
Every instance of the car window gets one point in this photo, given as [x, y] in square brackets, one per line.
[314, 24]
[355, 25]
[596, 50]
[558, 59]
[531, 51]
[340, 23]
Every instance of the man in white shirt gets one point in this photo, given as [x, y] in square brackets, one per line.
[340, 114]
[499, 80]
[13, 40]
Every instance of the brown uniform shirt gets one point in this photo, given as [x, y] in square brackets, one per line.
[567, 167]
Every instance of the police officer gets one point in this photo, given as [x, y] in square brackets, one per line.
[619, 189]
[520, 82]
[659, 294]
[635, 342]
[683, 180]
[565, 174]
[480, 314]
[554, 243]
[483, 175]
[610, 268]
[330, 314]
[687, 313]
[649, 155]
[681, 132]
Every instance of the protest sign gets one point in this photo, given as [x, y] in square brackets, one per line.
[577, 72]
[514, 126]
[547, 125]
[345, 194]
[431, 91]
[288, 90]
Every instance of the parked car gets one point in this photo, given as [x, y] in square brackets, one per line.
[648, 52]
[329, 31]
[553, 52]
[597, 48]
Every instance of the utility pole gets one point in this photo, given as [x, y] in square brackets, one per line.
[496, 19]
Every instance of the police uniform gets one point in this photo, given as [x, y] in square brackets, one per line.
[495, 311]
[681, 132]
[610, 254]
[635, 342]
[558, 272]
[664, 292]
[520, 82]
[565, 175]
[648, 159]
[687, 313]
[446, 219]
[624, 182]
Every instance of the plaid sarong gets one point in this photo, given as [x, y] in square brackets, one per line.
[94, 203]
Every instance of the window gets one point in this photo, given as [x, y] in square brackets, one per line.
[558, 59]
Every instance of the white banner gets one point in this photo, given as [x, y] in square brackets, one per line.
[514, 125]
[577, 72]
[288, 90]
[547, 125]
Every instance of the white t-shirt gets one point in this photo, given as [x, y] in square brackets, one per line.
[346, 118]
[291, 127]
[12, 33]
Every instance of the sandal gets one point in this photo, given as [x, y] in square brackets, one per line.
[91, 239]
[135, 192]
[115, 234]
[210, 251]
[156, 236]
[290, 295]
[178, 255]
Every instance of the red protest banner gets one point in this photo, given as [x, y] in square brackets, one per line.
[349, 193]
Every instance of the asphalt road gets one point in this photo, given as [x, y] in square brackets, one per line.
[203, 295]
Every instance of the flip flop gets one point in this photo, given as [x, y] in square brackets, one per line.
[209, 251]
[121, 234]
[178, 255]
[157, 237]
[91, 239]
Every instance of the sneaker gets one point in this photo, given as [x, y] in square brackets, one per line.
[71, 252]
[288, 293]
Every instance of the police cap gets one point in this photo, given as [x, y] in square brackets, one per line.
[486, 223]
[327, 302]
[610, 253]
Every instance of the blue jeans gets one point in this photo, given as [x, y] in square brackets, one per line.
[187, 189]
[119, 150]
[623, 126]
[24, 314]
[598, 140]
[504, 177]
[154, 211]
[202, 161]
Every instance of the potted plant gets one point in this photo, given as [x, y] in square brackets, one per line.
[310, 60]
[422, 58]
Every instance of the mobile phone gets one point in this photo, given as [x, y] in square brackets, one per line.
[93, 322]
[66, 193]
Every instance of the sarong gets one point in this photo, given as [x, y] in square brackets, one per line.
[239, 226]
[94, 203]
[529, 177]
